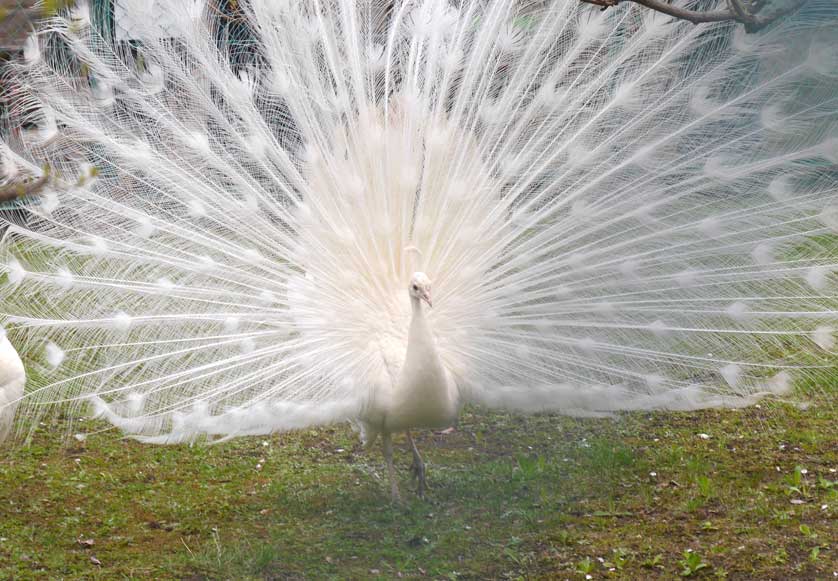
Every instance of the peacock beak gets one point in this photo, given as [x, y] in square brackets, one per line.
[426, 296]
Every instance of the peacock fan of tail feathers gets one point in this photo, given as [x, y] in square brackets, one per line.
[616, 210]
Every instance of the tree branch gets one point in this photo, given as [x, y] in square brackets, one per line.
[736, 11]
[20, 190]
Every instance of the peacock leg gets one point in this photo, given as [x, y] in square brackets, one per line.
[387, 448]
[418, 467]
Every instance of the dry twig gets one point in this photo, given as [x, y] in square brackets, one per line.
[20, 190]
[738, 11]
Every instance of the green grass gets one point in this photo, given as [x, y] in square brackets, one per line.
[641, 496]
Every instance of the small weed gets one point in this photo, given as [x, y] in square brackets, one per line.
[705, 486]
[585, 566]
[655, 562]
[519, 559]
[619, 558]
[530, 467]
[796, 483]
[695, 503]
[696, 467]
[781, 516]
[564, 537]
[794, 479]
[808, 532]
[691, 564]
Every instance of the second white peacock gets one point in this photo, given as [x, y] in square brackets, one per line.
[12, 381]
[618, 211]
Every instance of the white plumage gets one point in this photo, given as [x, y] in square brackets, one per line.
[12, 381]
[618, 211]
[416, 389]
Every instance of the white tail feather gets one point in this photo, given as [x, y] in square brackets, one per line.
[618, 211]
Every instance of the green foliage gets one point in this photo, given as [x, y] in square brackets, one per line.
[691, 564]
[705, 486]
[619, 558]
[586, 566]
[797, 484]
[530, 467]
[655, 562]
[51, 7]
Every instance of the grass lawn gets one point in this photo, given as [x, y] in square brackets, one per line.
[749, 494]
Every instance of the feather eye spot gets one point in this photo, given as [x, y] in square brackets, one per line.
[54, 354]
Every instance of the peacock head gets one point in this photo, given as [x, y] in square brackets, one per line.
[420, 287]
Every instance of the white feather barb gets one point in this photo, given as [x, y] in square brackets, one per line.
[616, 211]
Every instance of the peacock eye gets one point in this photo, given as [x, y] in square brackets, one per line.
[415, 287]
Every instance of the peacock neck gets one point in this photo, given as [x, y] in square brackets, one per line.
[427, 395]
[416, 307]
[419, 336]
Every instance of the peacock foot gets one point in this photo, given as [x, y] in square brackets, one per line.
[417, 471]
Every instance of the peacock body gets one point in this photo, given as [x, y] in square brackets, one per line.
[618, 211]
[12, 381]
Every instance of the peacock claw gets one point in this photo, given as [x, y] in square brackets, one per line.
[417, 473]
